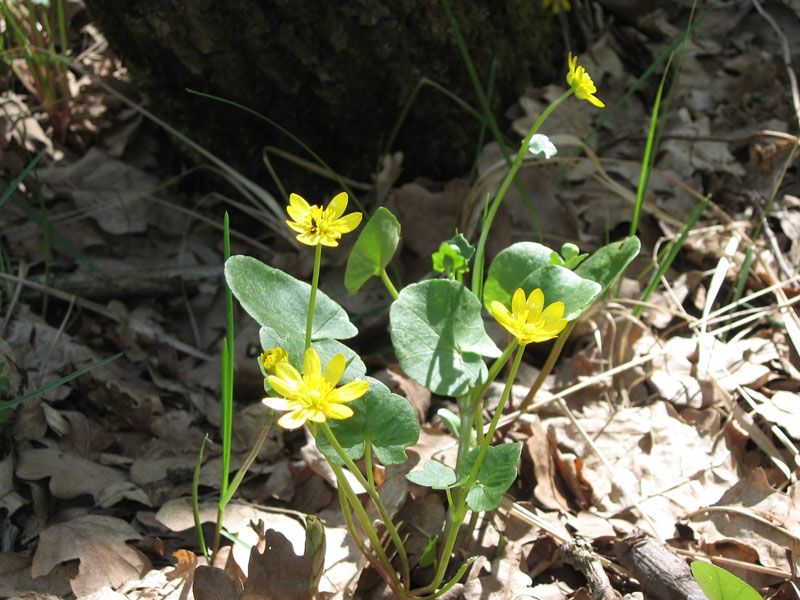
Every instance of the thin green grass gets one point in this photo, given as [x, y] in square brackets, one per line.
[488, 115]
[8, 404]
[292, 137]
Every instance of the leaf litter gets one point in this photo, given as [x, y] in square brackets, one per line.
[677, 424]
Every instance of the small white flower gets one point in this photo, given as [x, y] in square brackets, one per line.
[542, 146]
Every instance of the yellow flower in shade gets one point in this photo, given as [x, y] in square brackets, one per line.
[557, 5]
[529, 321]
[316, 225]
[272, 358]
[580, 81]
[313, 396]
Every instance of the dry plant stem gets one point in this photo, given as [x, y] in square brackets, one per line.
[376, 500]
[732, 562]
[313, 298]
[461, 502]
[547, 368]
[579, 554]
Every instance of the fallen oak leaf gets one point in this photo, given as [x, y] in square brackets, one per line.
[275, 573]
[98, 541]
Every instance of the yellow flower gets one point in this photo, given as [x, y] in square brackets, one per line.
[528, 320]
[580, 81]
[272, 358]
[313, 396]
[316, 225]
[557, 5]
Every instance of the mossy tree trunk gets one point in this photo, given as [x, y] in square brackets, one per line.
[335, 74]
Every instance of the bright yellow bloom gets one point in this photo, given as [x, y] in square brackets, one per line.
[580, 81]
[313, 396]
[316, 225]
[272, 358]
[528, 320]
[557, 5]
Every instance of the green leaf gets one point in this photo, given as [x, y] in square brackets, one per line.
[373, 249]
[428, 557]
[495, 475]
[384, 419]
[609, 262]
[719, 584]
[510, 268]
[326, 349]
[433, 475]
[438, 336]
[559, 283]
[280, 302]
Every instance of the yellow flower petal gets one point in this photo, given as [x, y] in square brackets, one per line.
[580, 81]
[276, 403]
[338, 205]
[299, 202]
[335, 369]
[353, 390]
[317, 226]
[313, 396]
[349, 222]
[338, 411]
[293, 420]
[529, 321]
[311, 365]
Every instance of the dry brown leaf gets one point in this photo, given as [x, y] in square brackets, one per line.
[277, 572]
[72, 476]
[504, 582]
[114, 193]
[759, 518]
[16, 580]
[98, 541]
[665, 464]
[417, 395]
[537, 449]
[10, 500]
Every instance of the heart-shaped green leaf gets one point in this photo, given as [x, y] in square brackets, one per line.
[438, 336]
[433, 475]
[326, 349]
[609, 262]
[495, 475]
[384, 419]
[510, 268]
[561, 284]
[719, 584]
[373, 249]
[280, 302]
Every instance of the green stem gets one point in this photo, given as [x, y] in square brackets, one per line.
[466, 423]
[376, 500]
[547, 368]
[352, 499]
[462, 507]
[388, 283]
[368, 463]
[313, 298]
[477, 280]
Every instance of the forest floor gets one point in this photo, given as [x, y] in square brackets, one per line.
[679, 427]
